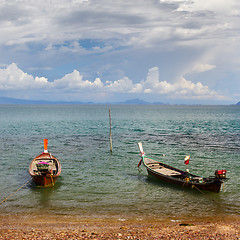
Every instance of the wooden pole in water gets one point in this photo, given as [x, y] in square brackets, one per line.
[110, 130]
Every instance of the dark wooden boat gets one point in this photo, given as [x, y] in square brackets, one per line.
[175, 176]
[45, 168]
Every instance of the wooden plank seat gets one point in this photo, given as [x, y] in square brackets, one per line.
[167, 171]
[156, 166]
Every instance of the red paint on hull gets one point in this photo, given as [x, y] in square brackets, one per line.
[45, 179]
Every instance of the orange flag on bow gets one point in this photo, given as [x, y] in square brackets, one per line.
[45, 141]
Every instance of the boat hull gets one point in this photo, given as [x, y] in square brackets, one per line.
[45, 179]
[169, 174]
[214, 186]
[174, 176]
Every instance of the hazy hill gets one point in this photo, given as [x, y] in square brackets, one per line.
[5, 100]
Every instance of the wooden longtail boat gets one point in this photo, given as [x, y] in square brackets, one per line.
[45, 168]
[166, 173]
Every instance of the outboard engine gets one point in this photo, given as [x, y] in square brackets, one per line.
[220, 174]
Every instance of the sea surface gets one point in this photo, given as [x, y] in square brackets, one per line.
[97, 183]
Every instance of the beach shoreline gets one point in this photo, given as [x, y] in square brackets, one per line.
[77, 227]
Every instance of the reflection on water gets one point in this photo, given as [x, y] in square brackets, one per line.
[95, 182]
[44, 193]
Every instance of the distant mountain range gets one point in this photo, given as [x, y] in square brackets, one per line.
[4, 100]
[136, 101]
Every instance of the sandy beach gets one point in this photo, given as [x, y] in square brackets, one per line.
[63, 227]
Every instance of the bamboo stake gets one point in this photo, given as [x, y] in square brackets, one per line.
[110, 130]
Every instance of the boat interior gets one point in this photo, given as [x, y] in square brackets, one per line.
[163, 170]
[53, 166]
[170, 171]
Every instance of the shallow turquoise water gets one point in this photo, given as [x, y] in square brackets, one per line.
[95, 182]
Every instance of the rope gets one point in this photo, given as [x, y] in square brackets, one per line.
[15, 191]
[193, 186]
[186, 181]
[52, 179]
[51, 184]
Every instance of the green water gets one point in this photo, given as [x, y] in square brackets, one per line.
[95, 182]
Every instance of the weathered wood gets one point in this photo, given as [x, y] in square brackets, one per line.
[110, 130]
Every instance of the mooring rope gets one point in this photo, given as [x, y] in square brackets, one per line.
[193, 186]
[51, 184]
[15, 191]
[52, 179]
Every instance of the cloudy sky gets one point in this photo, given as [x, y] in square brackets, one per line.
[171, 51]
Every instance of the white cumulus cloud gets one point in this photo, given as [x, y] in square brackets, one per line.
[202, 67]
[181, 88]
[12, 78]
[121, 85]
[75, 80]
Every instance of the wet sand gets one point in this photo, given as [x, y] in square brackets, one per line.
[64, 227]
